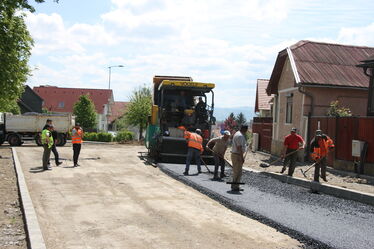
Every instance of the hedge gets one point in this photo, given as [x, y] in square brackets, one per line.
[124, 136]
[101, 136]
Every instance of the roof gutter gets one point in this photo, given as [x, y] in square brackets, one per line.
[334, 86]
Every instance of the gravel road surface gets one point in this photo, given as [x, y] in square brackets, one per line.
[114, 200]
[335, 222]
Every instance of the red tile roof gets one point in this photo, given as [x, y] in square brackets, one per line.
[262, 99]
[118, 110]
[326, 64]
[59, 99]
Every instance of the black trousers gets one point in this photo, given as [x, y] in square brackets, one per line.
[291, 159]
[77, 151]
[320, 166]
[55, 153]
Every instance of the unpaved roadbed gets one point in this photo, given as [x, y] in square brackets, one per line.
[115, 201]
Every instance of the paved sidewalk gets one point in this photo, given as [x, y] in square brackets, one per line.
[330, 221]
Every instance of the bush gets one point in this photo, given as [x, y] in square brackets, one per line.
[104, 137]
[101, 136]
[124, 136]
[90, 136]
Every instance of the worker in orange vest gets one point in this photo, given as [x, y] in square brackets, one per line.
[76, 139]
[195, 148]
[320, 146]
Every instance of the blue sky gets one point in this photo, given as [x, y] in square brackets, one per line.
[230, 43]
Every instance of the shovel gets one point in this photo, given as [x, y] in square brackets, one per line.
[206, 166]
[265, 165]
[220, 156]
[311, 166]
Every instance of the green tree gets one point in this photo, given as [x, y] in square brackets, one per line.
[139, 108]
[84, 111]
[15, 51]
[240, 119]
[336, 111]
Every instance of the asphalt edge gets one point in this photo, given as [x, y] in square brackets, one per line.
[34, 235]
[307, 241]
[336, 191]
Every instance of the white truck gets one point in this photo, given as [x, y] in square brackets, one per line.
[17, 128]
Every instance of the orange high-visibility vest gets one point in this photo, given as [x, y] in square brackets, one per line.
[322, 147]
[76, 137]
[194, 140]
[185, 132]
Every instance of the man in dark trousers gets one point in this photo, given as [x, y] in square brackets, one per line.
[76, 139]
[292, 143]
[220, 145]
[320, 146]
[195, 148]
[53, 149]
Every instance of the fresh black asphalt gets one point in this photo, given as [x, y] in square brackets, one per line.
[316, 220]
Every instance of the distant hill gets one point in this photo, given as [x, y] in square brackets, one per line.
[222, 113]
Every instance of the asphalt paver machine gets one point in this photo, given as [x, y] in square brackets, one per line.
[178, 102]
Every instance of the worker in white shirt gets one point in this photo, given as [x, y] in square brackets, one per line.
[239, 146]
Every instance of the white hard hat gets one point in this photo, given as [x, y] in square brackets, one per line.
[227, 133]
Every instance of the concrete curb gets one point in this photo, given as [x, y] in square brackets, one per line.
[35, 237]
[348, 194]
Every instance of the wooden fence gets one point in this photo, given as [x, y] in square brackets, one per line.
[343, 131]
[264, 128]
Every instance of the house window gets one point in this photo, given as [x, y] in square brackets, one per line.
[61, 104]
[289, 109]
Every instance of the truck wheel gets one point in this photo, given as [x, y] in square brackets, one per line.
[14, 140]
[61, 140]
[38, 140]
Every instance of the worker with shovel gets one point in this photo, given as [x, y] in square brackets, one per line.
[238, 149]
[219, 148]
[292, 144]
[320, 146]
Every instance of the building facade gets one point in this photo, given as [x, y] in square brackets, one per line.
[307, 77]
[62, 100]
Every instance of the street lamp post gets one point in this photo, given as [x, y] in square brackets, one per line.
[108, 111]
[110, 72]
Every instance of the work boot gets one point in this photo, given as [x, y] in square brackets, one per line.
[283, 169]
[185, 173]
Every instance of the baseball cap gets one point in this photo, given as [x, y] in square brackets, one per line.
[198, 131]
[293, 129]
[318, 133]
[227, 133]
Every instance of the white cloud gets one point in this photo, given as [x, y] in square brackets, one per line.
[362, 36]
[230, 43]
[185, 14]
[51, 34]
